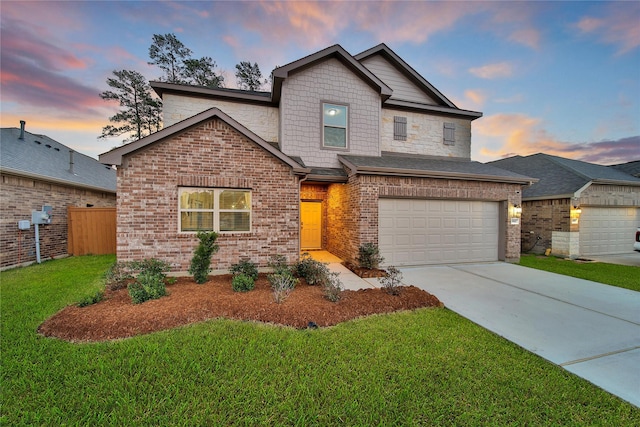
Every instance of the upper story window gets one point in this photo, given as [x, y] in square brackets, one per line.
[399, 128]
[335, 125]
[214, 209]
[449, 134]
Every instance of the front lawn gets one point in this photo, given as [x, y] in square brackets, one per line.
[623, 276]
[426, 367]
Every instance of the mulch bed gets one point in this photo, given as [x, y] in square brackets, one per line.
[365, 273]
[116, 317]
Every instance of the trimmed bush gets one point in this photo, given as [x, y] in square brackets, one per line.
[278, 263]
[332, 287]
[91, 299]
[242, 283]
[282, 285]
[201, 260]
[148, 285]
[312, 271]
[245, 267]
[392, 282]
[118, 275]
[369, 256]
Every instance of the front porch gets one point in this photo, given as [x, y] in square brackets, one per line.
[350, 280]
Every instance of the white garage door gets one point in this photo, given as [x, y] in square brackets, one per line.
[608, 230]
[418, 232]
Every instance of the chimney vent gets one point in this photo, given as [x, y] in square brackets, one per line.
[22, 123]
[71, 161]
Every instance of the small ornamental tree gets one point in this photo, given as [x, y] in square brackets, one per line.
[202, 255]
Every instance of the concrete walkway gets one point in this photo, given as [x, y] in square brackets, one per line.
[590, 329]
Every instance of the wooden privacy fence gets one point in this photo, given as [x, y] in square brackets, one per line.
[91, 231]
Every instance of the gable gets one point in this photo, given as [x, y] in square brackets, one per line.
[403, 88]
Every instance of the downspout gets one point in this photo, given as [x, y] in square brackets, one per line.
[299, 216]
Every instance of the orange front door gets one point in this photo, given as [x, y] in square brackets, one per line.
[311, 225]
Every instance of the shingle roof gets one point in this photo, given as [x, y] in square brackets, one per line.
[41, 157]
[428, 166]
[560, 177]
[632, 168]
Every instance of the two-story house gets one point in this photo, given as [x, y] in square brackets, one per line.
[344, 150]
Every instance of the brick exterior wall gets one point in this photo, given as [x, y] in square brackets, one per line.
[19, 196]
[425, 135]
[610, 195]
[301, 113]
[353, 207]
[209, 155]
[540, 218]
[260, 119]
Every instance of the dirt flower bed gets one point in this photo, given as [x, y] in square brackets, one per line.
[365, 272]
[116, 317]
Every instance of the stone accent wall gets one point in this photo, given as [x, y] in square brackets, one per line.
[566, 243]
[425, 135]
[353, 208]
[19, 196]
[261, 120]
[210, 155]
[301, 113]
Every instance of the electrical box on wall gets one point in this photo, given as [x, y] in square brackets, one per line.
[24, 224]
[43, 216]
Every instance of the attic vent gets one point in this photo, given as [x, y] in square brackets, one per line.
[449, 134]
[399, 128]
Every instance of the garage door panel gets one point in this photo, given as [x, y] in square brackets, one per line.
[607, 230]
[440, 231]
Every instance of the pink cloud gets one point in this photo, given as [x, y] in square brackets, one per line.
[619, 26]
[493, 71]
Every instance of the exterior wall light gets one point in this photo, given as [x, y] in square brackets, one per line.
[575, 214]
[515, 212]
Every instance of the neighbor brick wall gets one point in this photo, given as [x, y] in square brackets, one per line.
[353, 208]
[610, 195]
[541, 218]
[301, 113]
[19, 196]
[210, 155]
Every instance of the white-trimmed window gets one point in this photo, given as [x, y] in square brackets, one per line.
[335, 120]
[222, 210]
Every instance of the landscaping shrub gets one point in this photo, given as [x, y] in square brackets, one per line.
[332, 287]
[242, 283]
[278, 263]
[312, 271]
[369, 256]
[282, 284]
[245, 267]
[118, 275]
[392, 281]
[150, 265]
[201, 260]
[148, 285]
[91, 299]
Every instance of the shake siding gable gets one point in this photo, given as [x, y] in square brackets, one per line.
[301, 116]
[214, 155]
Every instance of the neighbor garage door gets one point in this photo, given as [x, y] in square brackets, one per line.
[607, 230]
[418, 232]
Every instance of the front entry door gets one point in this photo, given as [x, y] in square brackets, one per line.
[311, 225]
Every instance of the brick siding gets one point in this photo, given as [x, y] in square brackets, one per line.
[211, 154]
[19, 196]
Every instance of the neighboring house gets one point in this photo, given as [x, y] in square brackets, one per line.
[576, 209]
[632, 168]
[38, 171]
[344, 150]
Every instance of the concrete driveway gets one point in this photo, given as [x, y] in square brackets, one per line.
[629, 258]
[590, 329]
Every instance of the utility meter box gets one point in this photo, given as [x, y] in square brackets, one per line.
[43, 216]
[24, 224]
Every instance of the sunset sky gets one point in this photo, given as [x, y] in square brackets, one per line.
[561, 78]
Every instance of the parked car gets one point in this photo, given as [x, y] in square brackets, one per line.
[636, 244]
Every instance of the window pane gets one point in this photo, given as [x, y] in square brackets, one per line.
[235, 221]
[230, 199]
[196, 199]
[335, 115]
[335, 137]
[196, 221]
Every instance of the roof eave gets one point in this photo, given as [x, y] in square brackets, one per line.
[204, 92]
[436, 109]
[25, 174]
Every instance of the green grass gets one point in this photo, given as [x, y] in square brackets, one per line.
[426, 367]
[622, 276]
